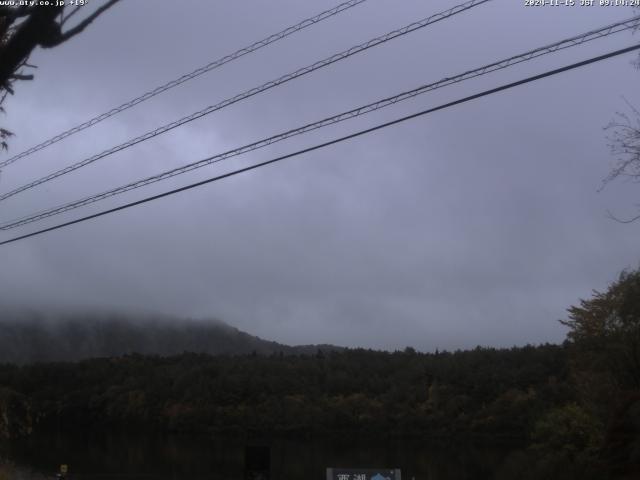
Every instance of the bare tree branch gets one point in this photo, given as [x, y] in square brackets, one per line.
[624, 145]
[19, 76]
[70, 14]
[619, 220]
[84, 24]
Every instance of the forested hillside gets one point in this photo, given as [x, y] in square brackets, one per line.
[483, 391]
[32, 336]
[574, 407]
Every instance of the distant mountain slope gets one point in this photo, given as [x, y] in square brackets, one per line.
[27, 337]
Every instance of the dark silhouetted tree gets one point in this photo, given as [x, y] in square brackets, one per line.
[25, 27]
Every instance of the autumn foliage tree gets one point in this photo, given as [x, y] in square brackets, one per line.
[604, 333]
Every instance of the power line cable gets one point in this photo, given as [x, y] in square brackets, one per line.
[253, 91]
[189, 76]
[631, 23]
[331, 142]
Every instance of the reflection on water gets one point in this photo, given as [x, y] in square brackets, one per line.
[149, 457]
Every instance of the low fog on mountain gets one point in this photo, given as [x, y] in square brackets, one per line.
[367, 240]
[30, 336]
[479, 224]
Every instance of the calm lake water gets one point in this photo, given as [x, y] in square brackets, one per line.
[148, 457]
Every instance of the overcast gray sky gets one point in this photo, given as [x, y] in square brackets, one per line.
[479, 224]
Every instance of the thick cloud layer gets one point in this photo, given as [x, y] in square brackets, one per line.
[479, 224]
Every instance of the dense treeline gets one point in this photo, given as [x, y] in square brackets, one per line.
[575, 406]
[483, 391]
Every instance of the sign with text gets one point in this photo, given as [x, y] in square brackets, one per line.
[363, 474]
